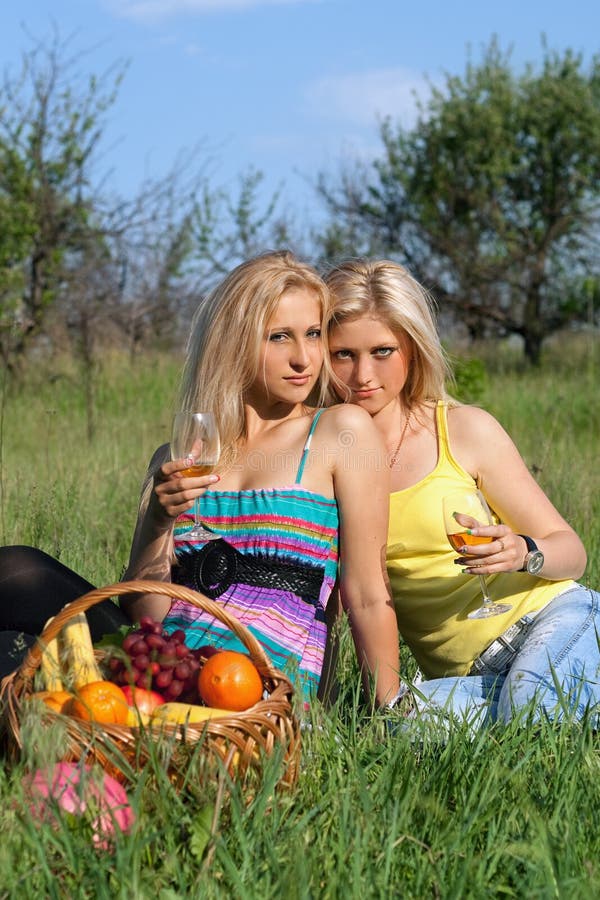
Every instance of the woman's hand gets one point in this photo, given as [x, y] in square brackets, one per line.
[176, 492]
[165, 495]
[501, 549]
[482, 447]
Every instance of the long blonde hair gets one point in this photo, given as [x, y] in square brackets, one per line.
[223, 351]
[387, 291]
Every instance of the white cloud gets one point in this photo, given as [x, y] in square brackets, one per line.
[193, 50]
[155, 10]
[363, 98]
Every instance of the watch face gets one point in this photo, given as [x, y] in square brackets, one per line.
[535, 561]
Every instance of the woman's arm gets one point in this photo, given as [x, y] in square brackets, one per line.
[327, 691]
[483, 447]
[165, 495]
[361, 485]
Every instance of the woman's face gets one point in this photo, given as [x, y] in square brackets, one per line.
[292, 353]
[371, 360]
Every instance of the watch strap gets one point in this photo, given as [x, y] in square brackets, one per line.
[531, 547]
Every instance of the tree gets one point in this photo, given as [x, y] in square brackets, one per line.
[79, 261]
[190, 236]
[16, 237]
[229, 228]
[492, 198]
[49, 134]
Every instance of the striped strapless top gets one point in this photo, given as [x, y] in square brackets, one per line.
[280, 529]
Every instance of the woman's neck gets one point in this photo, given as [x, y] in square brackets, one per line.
[390, 420]
[262, 417]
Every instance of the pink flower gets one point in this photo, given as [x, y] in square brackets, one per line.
[77, 789]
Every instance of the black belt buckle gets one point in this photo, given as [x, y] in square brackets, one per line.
[211, 570]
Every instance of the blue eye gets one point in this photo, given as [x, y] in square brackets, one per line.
[342, 354]
[314, 333]
[383, 352]
[277, 337]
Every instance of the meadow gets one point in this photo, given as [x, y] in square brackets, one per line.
[508, 812]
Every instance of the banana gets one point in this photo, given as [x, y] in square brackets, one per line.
[50, 665]
[135, 717]
[78, 652]
[186, 713]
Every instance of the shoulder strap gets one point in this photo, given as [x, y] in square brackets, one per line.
[441, 413]
[313, 425]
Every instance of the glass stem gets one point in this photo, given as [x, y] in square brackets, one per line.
[487, 600]
[197, 521]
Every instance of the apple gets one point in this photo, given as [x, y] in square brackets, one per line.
[145, 701]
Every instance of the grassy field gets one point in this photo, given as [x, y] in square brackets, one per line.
[506, 813]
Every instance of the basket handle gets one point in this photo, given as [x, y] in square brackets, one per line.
[32, 660]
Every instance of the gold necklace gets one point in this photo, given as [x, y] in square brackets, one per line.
[399, 444]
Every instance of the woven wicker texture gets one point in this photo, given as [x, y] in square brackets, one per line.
[240, 743]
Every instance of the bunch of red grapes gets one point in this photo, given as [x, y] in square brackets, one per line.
[159, 661]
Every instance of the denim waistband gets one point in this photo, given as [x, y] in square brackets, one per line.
[497, 657]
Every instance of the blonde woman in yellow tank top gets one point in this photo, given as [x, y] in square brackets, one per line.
[386, 352]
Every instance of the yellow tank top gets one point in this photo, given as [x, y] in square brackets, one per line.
[431, 595]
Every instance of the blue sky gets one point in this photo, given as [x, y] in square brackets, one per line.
[290, 87]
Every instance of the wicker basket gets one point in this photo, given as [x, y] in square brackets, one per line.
[240, 743]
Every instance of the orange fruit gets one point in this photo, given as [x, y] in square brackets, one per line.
[99, 701]
[230, 680]
[56, 700]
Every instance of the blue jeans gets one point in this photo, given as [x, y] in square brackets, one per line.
[555, 672]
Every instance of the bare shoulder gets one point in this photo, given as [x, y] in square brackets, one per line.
[349, 420]
[472, 422]
[346, 414]
[478, 441]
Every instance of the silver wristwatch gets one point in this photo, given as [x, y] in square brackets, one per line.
[534, 558]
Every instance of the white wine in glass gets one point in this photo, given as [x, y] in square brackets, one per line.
[473, 504]
[195, 438]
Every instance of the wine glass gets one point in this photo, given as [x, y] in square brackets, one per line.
[472, 504]
[195, 437]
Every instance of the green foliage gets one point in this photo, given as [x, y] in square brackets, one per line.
[492, 196]
[50, 129]
[226, 229]
[508, 812]
[17, 228]
[470, 377]
[82, 266]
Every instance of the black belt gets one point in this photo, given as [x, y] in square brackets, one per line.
[218, 565]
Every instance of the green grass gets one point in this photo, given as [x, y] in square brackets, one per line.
[509, 812]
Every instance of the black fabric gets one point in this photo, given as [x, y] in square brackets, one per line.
[13, 646]
[33, 587]
[218, 565]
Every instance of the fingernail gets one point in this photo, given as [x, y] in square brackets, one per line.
[462, 549]
[469, 531]
[214, 478]
[466, 571]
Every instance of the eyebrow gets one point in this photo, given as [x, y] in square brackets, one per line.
[291, 328]
[385, 345]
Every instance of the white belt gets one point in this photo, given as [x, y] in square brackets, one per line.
[497, 657]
